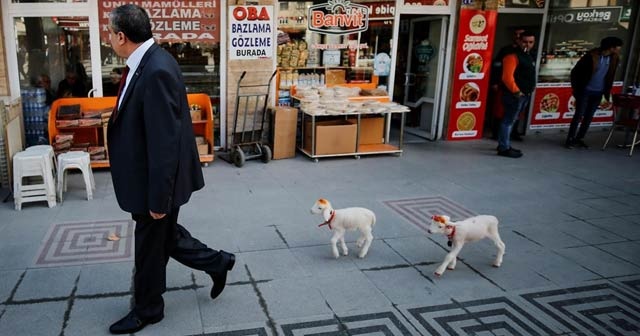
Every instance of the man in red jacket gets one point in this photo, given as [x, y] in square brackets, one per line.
[591, 78]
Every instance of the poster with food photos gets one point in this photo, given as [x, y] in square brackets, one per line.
[471, 73]
[554, 106]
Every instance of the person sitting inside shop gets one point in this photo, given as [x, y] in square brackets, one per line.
[71, 86]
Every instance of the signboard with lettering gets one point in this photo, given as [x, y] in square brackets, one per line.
[471, 73]
[585, 15]
[251, 32]
[172, 21]
[554, 105]
[338, 17]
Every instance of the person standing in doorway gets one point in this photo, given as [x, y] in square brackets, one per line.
[155, 166]
[591, 79]
[495, 80]
[518, 82]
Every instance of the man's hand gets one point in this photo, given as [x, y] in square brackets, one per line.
[156, 215]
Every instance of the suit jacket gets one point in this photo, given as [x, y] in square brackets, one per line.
[152, 150]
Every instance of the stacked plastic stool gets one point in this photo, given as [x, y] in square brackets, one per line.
[75, 160]
[47, 151]
[31, 164]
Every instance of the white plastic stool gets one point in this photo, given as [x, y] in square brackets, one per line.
[48, 152]
[77, 160]
[26, 164]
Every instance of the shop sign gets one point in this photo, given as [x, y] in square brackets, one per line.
[554, 106]
[379, 10]
[338, 17]
[251, 32]
[585, 15]
[171, 21]
[471, 73]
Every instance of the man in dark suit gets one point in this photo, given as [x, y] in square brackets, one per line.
[154, 166]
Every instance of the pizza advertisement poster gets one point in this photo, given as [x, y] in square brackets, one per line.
[471, 73]
[554, 106]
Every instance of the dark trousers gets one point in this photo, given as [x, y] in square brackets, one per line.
[156, 241]
[586, 105]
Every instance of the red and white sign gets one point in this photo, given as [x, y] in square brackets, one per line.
[251, 32]
[471, 73]
[554, 105]
[338, 17]
[172, 21]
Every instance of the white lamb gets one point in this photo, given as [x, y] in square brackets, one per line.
[350, 219]
[468, 230]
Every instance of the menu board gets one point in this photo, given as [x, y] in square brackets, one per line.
[554, 106]
[471, 73]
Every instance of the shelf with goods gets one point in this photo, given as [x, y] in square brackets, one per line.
[92, 138]
[358, 127]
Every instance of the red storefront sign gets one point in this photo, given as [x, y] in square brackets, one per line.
[471, 73]
[172, 21]
[554, 105]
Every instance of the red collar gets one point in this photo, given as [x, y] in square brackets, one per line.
[453, 231]
[328, 222]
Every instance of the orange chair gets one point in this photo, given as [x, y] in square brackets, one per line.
[626, 112]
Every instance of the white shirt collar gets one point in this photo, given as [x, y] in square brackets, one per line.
[133, 61]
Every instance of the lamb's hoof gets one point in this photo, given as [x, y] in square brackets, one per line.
[361, 256]
[496, 265]
[451, 268]
[345, 253]
[437, 274]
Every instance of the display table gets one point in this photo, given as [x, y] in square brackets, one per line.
[350, 133]
[95, 135]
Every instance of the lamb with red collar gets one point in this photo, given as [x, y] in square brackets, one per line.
[341, 220]
[468, 230]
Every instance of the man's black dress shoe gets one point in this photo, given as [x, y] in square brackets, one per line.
[220, 279]
[132, 323]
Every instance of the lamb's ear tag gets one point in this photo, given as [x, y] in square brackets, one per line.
[449, 243]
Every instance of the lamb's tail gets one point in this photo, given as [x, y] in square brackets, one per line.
[373, 218]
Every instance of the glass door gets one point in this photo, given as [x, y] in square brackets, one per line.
[423, 72]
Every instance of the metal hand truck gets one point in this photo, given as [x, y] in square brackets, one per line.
[246, 143]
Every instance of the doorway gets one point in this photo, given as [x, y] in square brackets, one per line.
[419, 76]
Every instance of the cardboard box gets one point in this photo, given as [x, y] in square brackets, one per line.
[371, 130]
[332, 137]
[335, 76]
[284, 122]
[203, 149]
[196, 115]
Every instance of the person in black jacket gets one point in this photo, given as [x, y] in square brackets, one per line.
[155, 166]
[591, 79]
[518, 82]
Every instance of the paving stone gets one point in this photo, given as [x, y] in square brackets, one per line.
[589, 233]
[43, 283]
[105, 278]
[352, 291]
[282, 298]
[224, 310]
[629, 251]
[599, 262]
[318, 260]
[94, 316]
[44, 318]
[8, 282]
[273, 264]
[181, 316]
[406, 286]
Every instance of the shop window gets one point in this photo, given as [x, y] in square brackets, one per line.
[311, 54]
[54, 52]
[193, 39]
[572, 31]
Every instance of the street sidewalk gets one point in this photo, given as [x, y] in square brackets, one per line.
[570, 220]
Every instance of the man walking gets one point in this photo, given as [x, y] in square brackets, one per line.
[154, 166]
[518, 82]
[591, 78]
